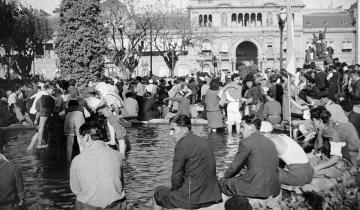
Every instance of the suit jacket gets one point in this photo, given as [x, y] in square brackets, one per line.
[194, 172]
[261, 180]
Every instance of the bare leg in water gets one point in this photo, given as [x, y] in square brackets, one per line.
[69, 147]
[33, 141]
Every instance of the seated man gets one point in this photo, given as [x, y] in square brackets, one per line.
[11, 183]
[95, 174]
[193, 182]
[298, 170]
[261, 180]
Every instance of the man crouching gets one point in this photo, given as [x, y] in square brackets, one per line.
[193, 181]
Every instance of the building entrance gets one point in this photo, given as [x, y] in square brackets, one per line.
[246, 54]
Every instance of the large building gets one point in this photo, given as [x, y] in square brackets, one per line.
[246, 32]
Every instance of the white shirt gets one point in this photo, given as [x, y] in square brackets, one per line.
[37, 96]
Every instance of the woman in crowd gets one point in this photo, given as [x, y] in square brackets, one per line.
[214, 115]
[253, 97]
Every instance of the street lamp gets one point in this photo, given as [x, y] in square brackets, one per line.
[281, 21]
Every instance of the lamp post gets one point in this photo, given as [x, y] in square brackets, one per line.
[281, 21]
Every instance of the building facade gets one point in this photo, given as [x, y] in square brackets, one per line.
[246, 32]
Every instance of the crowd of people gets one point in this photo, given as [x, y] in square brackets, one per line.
[322, 104]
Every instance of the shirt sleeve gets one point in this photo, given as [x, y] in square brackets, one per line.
[74, 180]
[177, 177]
[335, 148]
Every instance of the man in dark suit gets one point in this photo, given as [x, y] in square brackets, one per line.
[193, 182]
[261, 180]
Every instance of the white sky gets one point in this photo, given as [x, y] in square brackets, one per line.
[50, 5]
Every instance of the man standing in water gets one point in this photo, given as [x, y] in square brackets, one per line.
[193, 181]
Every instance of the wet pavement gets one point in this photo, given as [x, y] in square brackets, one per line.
[148, 165]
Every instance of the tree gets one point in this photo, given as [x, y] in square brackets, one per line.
[173, 35]
[81, 40]
[127, 29]
[25, 29]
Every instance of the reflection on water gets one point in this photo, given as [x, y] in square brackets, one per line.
[149, 164]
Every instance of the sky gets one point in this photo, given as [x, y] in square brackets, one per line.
[50, 5]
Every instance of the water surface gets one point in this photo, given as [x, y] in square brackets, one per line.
[148, 165]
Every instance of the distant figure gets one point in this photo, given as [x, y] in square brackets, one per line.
[131, 107]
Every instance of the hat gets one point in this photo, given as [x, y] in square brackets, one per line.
[238, 202]
[266, 127]
[92, 102]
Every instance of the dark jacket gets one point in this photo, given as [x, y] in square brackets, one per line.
[321, 80]
[355, 94]
[261, 180]
[194, 172]
[11, 185]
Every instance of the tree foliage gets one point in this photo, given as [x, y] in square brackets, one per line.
[127, 28]
[173, 35]
[23, 30]
[81, 40]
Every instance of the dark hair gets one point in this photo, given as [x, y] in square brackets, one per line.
[128, 94]
[271, 94]
[73, 103]
[64, 84]
[238, 202]
[72, 82]
[234, 76]
[251, 119]
[320, 113]
[182, 121]
[214, 85]
[95, 126]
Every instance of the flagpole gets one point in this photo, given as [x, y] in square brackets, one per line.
[289, 59]
[289, 96]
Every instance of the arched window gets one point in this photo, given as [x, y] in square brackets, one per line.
[246, 19]
[240, 19]
[253, 19]
[210, 20]
[233, 18]
[259, 19]
[205, 20]
[200, 20]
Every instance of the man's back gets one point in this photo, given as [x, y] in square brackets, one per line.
[131, 107]
[95, 175]
[11, 184]
[197, 175]
[261, 179]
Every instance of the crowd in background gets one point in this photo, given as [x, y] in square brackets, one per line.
[322, 101]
